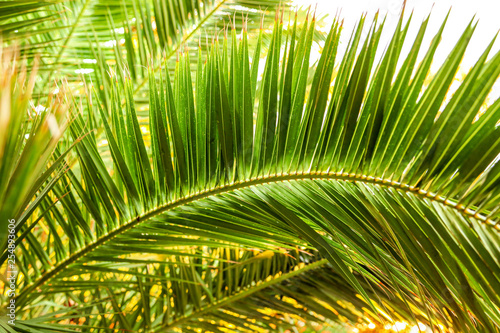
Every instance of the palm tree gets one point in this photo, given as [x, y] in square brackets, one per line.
[169, 187]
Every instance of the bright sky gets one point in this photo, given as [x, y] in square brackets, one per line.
[462, 11]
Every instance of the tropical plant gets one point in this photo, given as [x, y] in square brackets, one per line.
[213, 199]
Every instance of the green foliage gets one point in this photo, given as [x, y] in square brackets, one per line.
[244, 203]
[28, 137]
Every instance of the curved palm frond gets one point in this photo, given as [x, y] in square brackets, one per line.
[396, 187]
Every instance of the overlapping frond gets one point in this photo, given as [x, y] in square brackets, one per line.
[90, 38]
[28, 137]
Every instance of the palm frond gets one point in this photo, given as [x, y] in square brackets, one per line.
[396, 187]
[29, 135]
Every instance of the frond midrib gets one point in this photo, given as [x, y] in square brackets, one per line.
[181, 43]
[275, 178]
[242, 294]
[67, 39]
